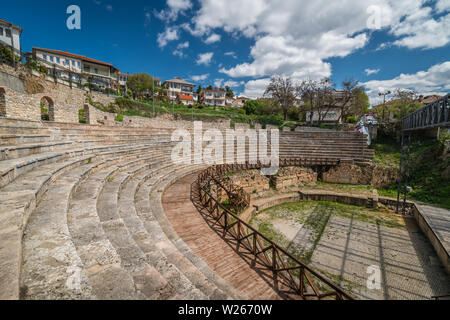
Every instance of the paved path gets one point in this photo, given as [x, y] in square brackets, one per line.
[199, 234]
[439, 221]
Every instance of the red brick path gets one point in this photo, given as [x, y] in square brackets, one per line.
[219, 254]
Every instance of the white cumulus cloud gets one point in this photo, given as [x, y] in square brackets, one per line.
[170, 34]
[213, 38]
[371, 71]
[435, 80]
[201, 77]
[205, 58]
[175, 7]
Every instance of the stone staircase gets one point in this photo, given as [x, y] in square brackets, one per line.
[338, 145]
[81, 214]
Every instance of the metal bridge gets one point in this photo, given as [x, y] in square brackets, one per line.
[433, 115]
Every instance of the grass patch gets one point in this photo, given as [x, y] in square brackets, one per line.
[427, 180]
[387, 153]
[342, 187]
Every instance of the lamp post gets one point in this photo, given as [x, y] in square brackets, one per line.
[384, 94]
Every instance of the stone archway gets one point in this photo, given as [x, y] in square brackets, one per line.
[47, 109]
[2, 102]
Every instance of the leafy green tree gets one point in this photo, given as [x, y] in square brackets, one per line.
[404, 103]
[142, 84]
[252, 107]
[362, 104]
[229, 92]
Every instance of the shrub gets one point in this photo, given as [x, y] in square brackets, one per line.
[37, 66]
[352, 119]
[119, 118]
[82, 116]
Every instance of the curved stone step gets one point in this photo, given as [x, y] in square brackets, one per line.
[109, 277]
[159, 250]
[11, 169]
[149, 236]
[181, 247]
[18, 200]
[147, 279]
[200, 277]
[52, 268]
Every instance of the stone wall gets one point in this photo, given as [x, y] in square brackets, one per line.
[95, 116]
[367, 174]
[241, 126]
[293, 176]
[25, 91]
[251, 181]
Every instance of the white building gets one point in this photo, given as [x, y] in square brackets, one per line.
[102, 74]
[10, 35]
[178, 86]
[214, 97]
[123, 78]
[331, 115]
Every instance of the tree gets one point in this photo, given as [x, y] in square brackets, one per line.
[405, 103]
[142, 84]
[325, 98]
[348, 97]
[229, 92]
[362, 104]
[307, 91]
[199, 89]
[318, 97]
[283, 91]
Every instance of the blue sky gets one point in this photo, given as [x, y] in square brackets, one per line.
[385, 44]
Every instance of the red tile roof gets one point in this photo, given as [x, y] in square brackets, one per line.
[12, 25]
[68, 54]
[184, 97]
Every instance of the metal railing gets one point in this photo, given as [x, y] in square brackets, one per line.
[436, 114]
[207, 193]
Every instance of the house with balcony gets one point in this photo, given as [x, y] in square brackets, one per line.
[178, 86]
[214, 97]
[10, 36]
[66, 65]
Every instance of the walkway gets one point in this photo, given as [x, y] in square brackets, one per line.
[221, 256]
[438, 220]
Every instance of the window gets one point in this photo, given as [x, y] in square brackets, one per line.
[73, 63]
[58, 60]
[51, 58]
[1, 32]
[66, 62]
[79, 64]
[95, 70]
[8, 33]
[44, 57]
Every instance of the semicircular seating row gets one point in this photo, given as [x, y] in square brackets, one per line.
[80, 216]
